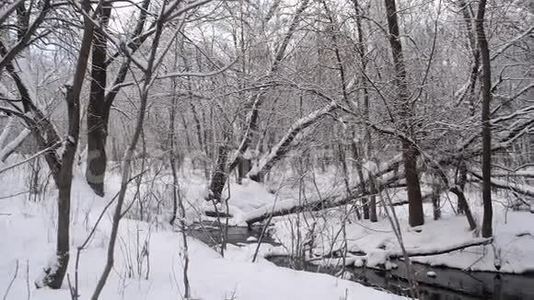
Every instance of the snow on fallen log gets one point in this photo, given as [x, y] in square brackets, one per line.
[381, 258]
[383, 175]
[525, 174]
[430, 251]
[522, 189]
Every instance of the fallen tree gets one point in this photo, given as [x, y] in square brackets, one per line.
[413, 252]
[385, 176]
[438, 251]
[504, 184]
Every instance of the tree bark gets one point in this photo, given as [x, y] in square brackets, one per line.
[220, 175]
[100, 102]
[97, 113]
[436, 193]
[361, 46]
[486, 125]
[405, 111]
[172, 158]
[415, 206]
[56, 273]
[462, 202]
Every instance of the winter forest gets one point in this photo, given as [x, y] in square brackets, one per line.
[266, 149]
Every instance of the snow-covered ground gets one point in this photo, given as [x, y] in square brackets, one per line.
[148, 261]
[511, 251]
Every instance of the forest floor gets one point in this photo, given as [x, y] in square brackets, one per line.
[511, 249]
[148, 261]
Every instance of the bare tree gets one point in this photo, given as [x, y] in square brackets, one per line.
[96, 130]
[56, 273]
[406, 116]
[486, 120]
[167, 12]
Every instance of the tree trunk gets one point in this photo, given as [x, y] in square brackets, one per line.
[462, 202]
[97, 112]
[366, 111]
[100, 102]
[172, 158]
[358, 165]
[415, 201]
[436, 192]
[129, 155]
[462, 179]
[56, 273]
[220, 175]
[486, 125]
[372, 202]
[405, 111]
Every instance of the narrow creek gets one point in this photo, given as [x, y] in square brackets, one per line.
[447, 284]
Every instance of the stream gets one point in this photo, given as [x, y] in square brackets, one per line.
[447, 284]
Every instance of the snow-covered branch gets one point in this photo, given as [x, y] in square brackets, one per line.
[522, 189]
[8, 10]
[44, 151]
[284, 145]
[178, 74]
[12, 146]
[511, 42]
[9, 55]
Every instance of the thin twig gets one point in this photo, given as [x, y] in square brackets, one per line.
[12, 280]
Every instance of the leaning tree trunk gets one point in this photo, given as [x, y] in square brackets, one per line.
[220, 176]
[97, 116]
[409, 151]
[486, 125]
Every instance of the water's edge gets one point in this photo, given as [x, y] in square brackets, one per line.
[448, 283]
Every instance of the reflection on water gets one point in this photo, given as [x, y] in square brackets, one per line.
[449, 284]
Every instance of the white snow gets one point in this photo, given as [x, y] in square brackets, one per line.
[511, 250]
[251, 239]
[28, 233]
[29, 228]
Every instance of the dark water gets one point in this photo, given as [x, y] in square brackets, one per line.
[448, 284]
[210, 234]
